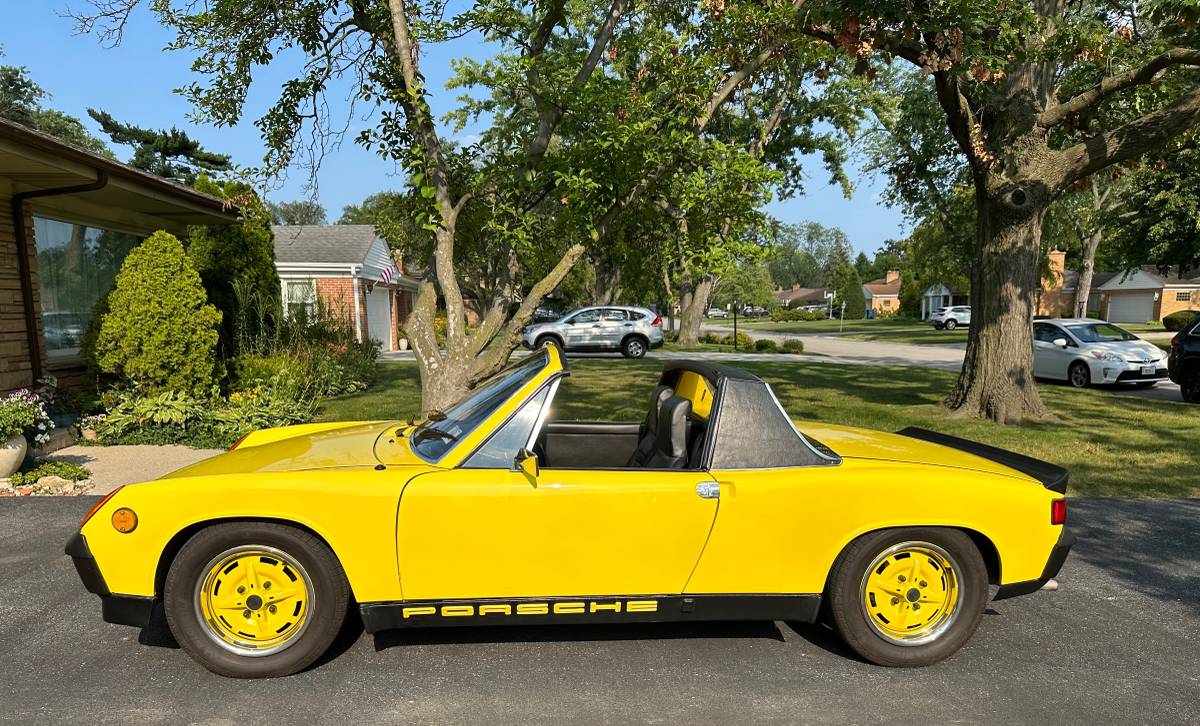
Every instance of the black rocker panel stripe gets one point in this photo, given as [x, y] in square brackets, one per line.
[378, 616]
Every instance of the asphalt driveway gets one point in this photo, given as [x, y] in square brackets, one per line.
[1118, 643]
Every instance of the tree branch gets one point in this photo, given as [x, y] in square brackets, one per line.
[1148, 73]
[1129, 141]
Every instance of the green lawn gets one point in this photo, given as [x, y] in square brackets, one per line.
[1138, 328]
[816, 327]
[1113, 445]
[927, 335]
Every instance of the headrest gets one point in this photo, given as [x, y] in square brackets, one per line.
[660, 394]
[671, 438]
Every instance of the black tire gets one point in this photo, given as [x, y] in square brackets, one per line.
[1078, 375]
[938, 326]
[951, 324]
[330, 598]
[550, 340]
[1190, 391]
[635, 346]
[848, 611]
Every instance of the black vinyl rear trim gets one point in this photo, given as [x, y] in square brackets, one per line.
[1051, 476]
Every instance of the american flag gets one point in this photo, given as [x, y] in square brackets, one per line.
[386, 276]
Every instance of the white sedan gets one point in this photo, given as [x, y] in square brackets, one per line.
[1083, 352]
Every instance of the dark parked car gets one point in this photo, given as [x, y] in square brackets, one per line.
[1183, 365]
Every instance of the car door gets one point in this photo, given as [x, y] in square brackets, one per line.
[614, 324]
[581, 329]
[1058, 358]
[1043, 353]
[484, 530]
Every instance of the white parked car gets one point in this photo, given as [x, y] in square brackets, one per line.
[951, 317]
[717, 313]
[1082, 351]
[630, 330]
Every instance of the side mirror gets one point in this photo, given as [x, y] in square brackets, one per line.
[1060, 342]
[526, 462]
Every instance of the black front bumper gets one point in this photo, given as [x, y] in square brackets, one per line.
[1058, 556]
[117, 609]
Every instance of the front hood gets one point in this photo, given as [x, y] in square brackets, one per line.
[1137, 349]
[855, 443]
[313, 446]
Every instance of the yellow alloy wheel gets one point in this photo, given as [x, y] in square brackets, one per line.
[910, 593]
[254, 600]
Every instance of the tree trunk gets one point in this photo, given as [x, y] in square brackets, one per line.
[691, 317]
[996, 381]
[1087, 266]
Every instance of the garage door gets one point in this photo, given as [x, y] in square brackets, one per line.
[1131, 308]
[379, 316]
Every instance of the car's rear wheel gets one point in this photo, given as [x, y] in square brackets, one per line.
[908, 597]
[951, 324]
[1190, 391]
[938, 326]
[550, 340]
[255, 599]
[1078, 375]
[633, 347]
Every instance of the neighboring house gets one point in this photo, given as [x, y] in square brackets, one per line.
[1138, 296]
[798, 297]
[352, 270]
[68, 217]
[941, 296]
[883, 295]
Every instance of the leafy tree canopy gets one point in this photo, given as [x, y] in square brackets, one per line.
[301, 211]
[169, 153]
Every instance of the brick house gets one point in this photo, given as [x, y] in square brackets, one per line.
[1138, 296]
[798, 297]
[68, 217]
[351, 269]
[883, 295]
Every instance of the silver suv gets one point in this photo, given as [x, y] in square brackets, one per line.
[633, 331]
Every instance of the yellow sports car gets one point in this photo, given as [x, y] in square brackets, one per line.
[715, 507]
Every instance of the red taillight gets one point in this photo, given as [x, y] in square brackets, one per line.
[1175, 340]
[237, 443]
[96, 507]
[1058, 511]
[657, 319]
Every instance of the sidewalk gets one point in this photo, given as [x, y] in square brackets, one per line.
[114, 466]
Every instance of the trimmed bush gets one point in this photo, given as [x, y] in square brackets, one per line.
[1178, 321]
[743, 340]
[710, 339]
[781, 315]
[160, 332]
[793, 345]
[766, 345]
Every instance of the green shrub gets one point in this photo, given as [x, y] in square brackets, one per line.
[793, 345]
[24, 412]
[782, 315]
[766, 345]
[1178, 321]
[710, 339]
[160, 332]
[63, 469]
[743, 340]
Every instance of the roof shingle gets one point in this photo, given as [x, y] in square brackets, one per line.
[323, 243]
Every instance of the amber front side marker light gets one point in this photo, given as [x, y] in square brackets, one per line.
[124, 520]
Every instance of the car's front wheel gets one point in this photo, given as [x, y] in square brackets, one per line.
[255, 599]
[1190, 391]
[1078, 375]
[908, 597]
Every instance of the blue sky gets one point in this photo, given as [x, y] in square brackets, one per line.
[134, 83]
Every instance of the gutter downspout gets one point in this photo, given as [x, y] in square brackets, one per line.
[357, 303]
[23, 271]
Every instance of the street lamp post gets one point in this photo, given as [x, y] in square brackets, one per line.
[735, 335]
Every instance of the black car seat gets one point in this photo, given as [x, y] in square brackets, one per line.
[671, 443]
[649, 428]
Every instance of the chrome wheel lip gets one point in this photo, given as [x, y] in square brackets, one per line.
[292, 562]
[942, 626]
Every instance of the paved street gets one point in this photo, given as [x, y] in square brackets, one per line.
[1118, 643]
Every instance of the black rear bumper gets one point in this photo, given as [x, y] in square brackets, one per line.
[1058, 556]
[117, 609]
[1051, 476]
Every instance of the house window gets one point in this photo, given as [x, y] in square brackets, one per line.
[300, 297]
[1183, 296]
[77, 265]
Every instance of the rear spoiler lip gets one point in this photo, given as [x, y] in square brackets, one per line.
[1051, 476]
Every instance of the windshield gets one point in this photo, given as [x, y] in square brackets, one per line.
[1100, 333]
[433, 439]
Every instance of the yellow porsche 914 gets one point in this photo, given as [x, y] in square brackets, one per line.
[715, 507]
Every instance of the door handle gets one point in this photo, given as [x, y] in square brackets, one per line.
[708, 490]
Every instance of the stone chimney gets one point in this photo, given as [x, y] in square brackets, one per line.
[1058, 266]
[891, 276]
